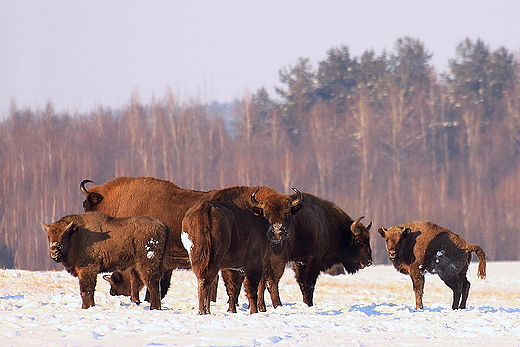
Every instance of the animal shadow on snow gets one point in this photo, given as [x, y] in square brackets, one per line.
[383, 309]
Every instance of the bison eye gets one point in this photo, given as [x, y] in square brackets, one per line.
[258, 211]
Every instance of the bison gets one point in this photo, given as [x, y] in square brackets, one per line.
[228, 231]
[420, 247]
[93, 242]
[320, 236]
[144, 196]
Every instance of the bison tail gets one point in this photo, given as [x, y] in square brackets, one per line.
[197, 225]
[481, 259]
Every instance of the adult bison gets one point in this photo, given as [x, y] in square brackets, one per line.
[93, 242]
[145, 196]
[419, 247]
[320, 236]
[228, 231]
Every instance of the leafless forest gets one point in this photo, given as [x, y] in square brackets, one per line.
[384, 136]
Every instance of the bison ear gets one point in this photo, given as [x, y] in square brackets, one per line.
[92, 200]
[107, 278]
[406, 232]
[382, 231]
[69, 229]
[258, 211]
[45, 226]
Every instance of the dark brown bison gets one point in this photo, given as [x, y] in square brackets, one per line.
[228, 231]
[93, 242]
[420, 247]
[322, 235]
[144, 196]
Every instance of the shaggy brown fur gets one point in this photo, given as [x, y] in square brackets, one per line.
[229, 232]
[320, 236]
[419, 247]
[151, 197]
[93, 242]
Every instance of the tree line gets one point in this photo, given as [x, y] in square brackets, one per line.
[384, 136]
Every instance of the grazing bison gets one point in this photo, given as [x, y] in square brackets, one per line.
[320, 236]
[144, 196]
[228, 231]
[93, 242]
[420, 247]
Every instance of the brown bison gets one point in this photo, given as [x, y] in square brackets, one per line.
[320, 236]
[420, 247]
[228, 231]
[144, 196]
[93, 242]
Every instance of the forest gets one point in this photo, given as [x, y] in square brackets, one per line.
[384, 136]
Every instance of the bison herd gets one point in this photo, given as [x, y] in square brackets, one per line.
[142, 228]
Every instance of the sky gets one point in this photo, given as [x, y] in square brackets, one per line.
[83, 54]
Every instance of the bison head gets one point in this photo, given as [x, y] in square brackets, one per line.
[361, 247]
[118, 284]
[393, 237]
[91, 198]
[58, 234]
[278, 209]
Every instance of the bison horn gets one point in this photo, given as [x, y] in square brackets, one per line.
[299, 199]
[253, 198]
[82, 187]
[353, 226]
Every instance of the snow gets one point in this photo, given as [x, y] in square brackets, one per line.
[372, 308]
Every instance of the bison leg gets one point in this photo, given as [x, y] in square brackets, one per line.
[465, 289]
[418, 286]
[455, 285]
[165, 285]
[136, 284]
[213, 290]
[87, 285]
[251, 287]
[306, 276]
[153, 287]
[204, 289]
[271, 279]
[165, 282]
[232, 282]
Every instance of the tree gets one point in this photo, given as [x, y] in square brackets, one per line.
[300, 94]
[336, 76]
[481, 77]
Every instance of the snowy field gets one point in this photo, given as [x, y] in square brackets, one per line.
[372, 308]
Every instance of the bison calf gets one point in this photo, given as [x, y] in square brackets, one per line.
[93, 242]
[420, 247]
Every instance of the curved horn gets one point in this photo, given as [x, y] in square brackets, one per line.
[253, 198]
[355, 223]
[82, 187]
[299, 199]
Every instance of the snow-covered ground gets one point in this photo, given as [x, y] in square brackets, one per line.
[372, 308]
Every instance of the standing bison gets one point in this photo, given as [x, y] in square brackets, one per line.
[228, 231]
[419, 247]
[93, 242]
[144, 196]
[320, 236]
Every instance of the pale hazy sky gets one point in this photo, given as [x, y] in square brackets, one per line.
[80, 54]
